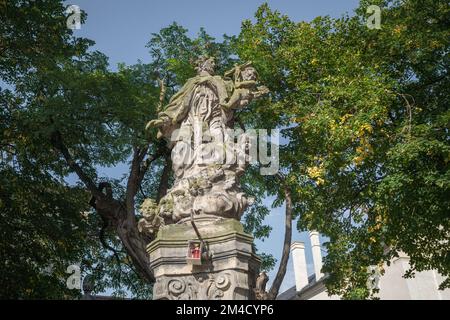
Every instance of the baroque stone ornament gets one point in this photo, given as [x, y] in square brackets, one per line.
[205, 202]
[207, 157]
[230, 272]
[204, 286]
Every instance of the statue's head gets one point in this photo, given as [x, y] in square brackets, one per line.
[205, 65]
[148, 207]
[249, 73]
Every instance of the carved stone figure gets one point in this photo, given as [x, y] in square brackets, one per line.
[202, 286]
[245, 87]
[206, 159]
[193, 93]
[260, 288]
[151, 220]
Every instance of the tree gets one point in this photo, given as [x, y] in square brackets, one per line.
[65, 112]
[59, 107]
[365, 115]
[365, 126]
[43, 220]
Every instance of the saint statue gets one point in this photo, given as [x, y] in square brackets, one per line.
[206, 171]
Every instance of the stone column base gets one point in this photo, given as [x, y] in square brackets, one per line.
[228, 274]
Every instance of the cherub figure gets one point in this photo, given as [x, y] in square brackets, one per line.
[151, 220]
[245, 86]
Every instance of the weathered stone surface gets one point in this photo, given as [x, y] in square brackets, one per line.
[229, 272]
[207, 160]
[207, 157]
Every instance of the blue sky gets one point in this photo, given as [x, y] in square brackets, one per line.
[122, 28]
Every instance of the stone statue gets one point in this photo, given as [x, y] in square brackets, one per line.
[181, 103]
[245, 87]
[205, 202]
[260, 288]
[151, 220]
[206, 160]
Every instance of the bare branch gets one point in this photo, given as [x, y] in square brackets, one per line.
[273, 292]
[58, 143]
[147, 163]
[164, 182]
[162, 93]
[117, 215]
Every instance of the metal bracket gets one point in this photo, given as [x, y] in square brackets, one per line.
[204, 245]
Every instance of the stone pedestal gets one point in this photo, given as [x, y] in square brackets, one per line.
[228, 273]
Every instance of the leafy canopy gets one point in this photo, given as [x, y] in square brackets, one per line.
[365, 113]
[365, 139]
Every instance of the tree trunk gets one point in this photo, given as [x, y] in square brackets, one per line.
[115, 213]
[273, 292]
[120, 216]
[164, 182]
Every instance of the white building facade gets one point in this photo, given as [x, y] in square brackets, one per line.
[392, 285]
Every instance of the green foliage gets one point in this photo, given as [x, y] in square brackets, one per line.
[174, 54]
[365, 114]
[33, 35]
[42, 229]
[57, 85]
[365, 138]
[267, 262]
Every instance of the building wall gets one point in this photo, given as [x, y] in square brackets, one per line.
[324, 296]
[424, 286]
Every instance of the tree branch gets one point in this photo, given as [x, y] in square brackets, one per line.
[58, 143]
[273, 292]
[119, 216]
[105, 225]
[162, 93]
[164, 182]
[137, 173]
[147, 163]
[132, 184]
